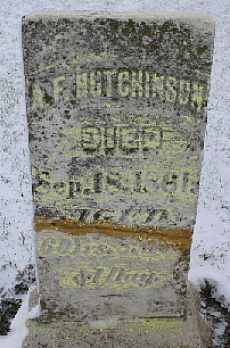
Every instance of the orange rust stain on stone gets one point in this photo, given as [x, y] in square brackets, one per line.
[179, 238]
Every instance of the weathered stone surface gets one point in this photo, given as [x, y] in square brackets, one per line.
[98, 277]
[146, 332]
[117, 112]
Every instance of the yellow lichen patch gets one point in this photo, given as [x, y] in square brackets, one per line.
[151, 325]
[156, 324]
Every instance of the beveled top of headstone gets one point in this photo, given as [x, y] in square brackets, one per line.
[116, 106]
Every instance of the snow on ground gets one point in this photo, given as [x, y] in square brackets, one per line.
[210, 255]
[18, 330]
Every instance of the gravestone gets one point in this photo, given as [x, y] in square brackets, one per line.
[116, 106]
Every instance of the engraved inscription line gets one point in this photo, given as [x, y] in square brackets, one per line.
[121, 83]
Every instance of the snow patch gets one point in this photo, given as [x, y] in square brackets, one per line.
[18, 329]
